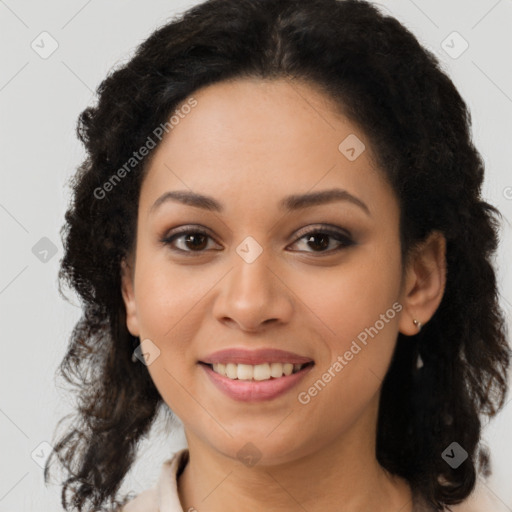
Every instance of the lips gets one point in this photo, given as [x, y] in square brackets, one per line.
[252, 390]
[254, 357]
[255, 384]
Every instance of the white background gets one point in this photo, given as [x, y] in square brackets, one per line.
[40, 100]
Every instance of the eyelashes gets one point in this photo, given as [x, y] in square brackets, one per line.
[187, 234]
[325, 235]
[195, 241]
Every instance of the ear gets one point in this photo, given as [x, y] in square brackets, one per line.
[127, 291]
[424, 283]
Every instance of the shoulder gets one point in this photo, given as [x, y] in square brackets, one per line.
[480, 500]
[146, 501]
[163, 496]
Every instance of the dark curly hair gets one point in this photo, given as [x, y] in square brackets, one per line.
[419, 129]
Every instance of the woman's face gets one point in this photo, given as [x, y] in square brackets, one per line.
[260, 279]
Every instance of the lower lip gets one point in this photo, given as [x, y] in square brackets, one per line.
[252, 390]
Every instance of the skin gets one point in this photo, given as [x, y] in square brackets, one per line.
[296, 296]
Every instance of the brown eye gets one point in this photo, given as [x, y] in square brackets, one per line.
[190, 240]
[319, 240]
[197, 241]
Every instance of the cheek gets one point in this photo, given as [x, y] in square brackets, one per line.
[168, 295]
[352, 296]
[170, 313]
[357, 304]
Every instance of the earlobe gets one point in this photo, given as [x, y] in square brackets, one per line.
[424, 284]
[127, 292]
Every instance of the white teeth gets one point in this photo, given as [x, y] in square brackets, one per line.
[231, 370]
[261, 371]
[257, 372]
[276, 370]
[288, 368]
[244, 371]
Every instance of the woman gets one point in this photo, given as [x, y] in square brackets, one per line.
[278, 235]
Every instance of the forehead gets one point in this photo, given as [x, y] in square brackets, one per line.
[259, 140]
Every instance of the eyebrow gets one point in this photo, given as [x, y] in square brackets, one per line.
[290, 203]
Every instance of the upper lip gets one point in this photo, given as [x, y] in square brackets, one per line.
[252, 357]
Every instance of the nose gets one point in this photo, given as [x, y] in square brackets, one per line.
[253, 295]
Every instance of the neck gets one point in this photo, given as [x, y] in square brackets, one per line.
[343, 475]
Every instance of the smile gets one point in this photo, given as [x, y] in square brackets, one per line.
[257, 372]
[264, 381]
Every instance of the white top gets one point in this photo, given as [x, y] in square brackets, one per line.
[163, 496]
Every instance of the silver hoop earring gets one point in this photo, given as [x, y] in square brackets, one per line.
[418, 324]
